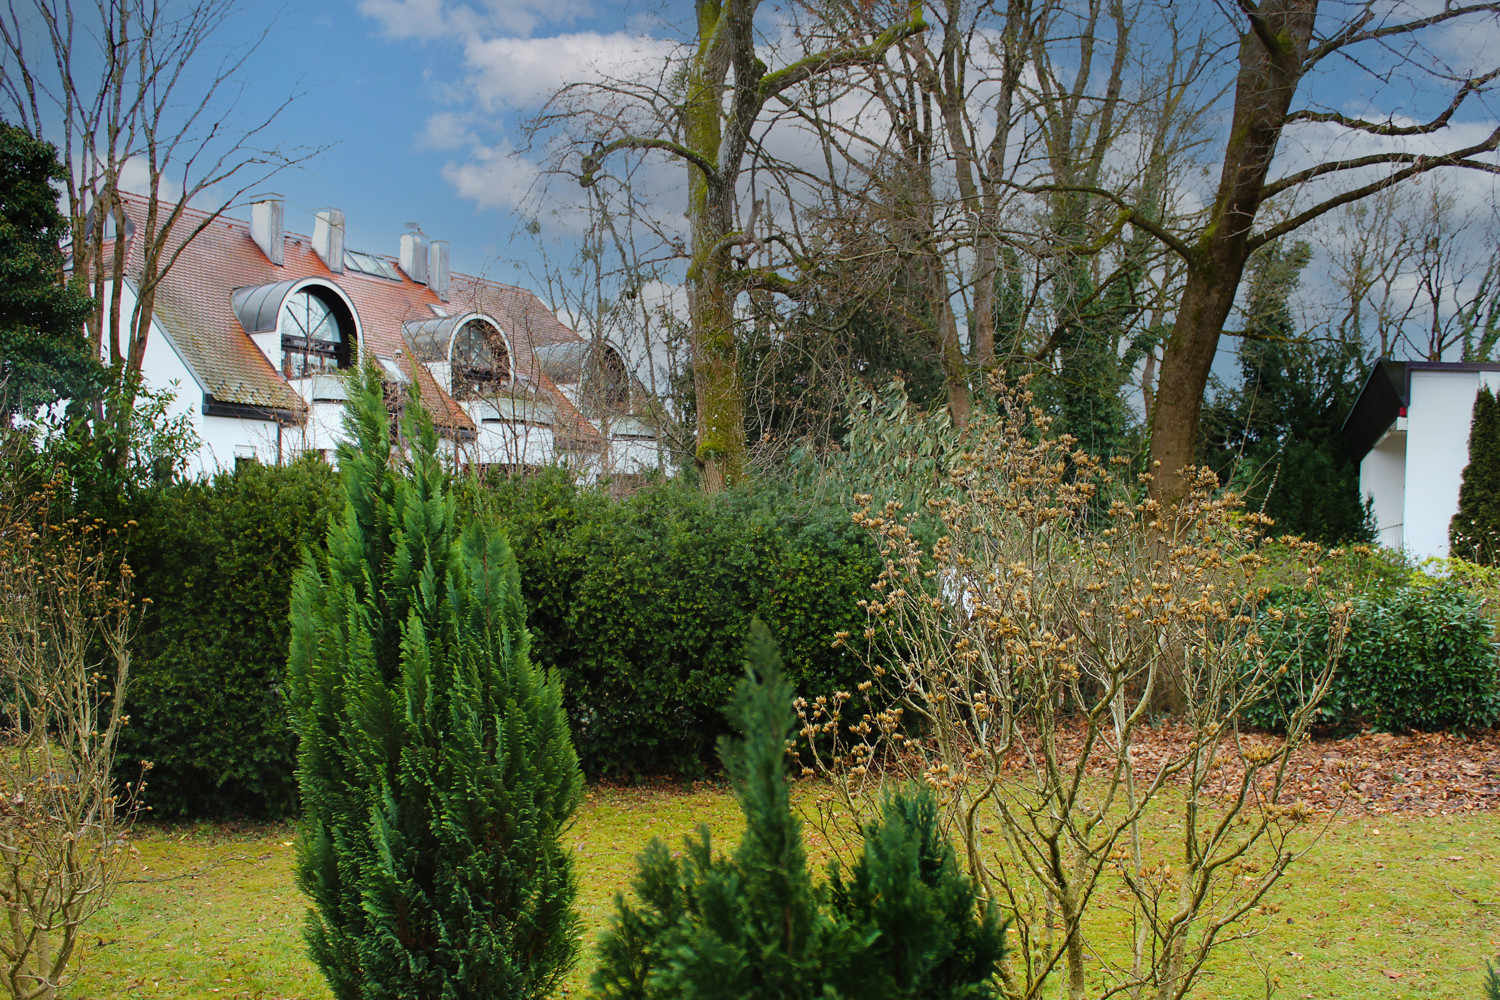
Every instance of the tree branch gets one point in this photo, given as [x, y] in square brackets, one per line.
[1130, 215]
[1354, 33]
[1419, 165]
[854, 55]
[1390, 128]
[591, 161]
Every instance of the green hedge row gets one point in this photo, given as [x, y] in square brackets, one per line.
[644, 605]
[206, 700]
[1417, 657]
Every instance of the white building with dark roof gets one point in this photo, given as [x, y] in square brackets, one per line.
[1409, 431]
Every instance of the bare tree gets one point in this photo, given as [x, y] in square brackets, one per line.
[1281, 43]
[142, 93]
[66, 619]
[1418, 275]
[710, 124]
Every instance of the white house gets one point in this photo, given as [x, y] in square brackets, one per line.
[253, 324]
[1409, 431]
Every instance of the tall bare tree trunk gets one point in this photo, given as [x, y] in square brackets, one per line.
[1272, 58]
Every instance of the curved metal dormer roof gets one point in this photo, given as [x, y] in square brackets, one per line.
[569, 362]
[432, 339]
[258, 307]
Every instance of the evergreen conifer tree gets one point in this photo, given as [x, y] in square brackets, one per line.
[435, 765]
[752, 926]
[1491, 982]
[1474, 532]
[44, 355]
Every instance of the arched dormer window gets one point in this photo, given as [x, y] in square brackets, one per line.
[606, 380]
[481, 363]
[315, 334]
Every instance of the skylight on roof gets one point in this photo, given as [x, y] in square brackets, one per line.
[366, 264]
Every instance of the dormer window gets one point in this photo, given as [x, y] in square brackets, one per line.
[313, 335]
[481, 363]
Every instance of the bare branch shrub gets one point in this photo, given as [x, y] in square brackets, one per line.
[66, 618]
[1037, 629]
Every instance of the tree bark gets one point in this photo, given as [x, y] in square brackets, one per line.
[1272, 56]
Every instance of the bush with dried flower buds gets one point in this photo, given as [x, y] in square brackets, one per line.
[66, 619]
[1056, 612]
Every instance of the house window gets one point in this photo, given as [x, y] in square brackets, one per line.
[314, 339]
[481, 364]
[606, 381]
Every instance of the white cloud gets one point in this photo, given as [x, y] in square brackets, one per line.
[510, 72]
[408, 18]
[446, 130]
[493, 177]
[426, 19]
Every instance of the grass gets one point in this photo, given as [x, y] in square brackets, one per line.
[1395, 907]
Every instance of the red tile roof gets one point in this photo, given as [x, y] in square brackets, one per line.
[193, 303]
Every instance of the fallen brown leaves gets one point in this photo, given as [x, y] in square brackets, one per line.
[1428, 774]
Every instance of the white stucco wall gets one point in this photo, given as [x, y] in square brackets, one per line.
[1382, 476]
[1439, 411]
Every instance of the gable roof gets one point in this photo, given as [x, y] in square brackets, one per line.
[1386, 395]
[196, 304]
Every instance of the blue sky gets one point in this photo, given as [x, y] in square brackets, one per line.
[418, 132]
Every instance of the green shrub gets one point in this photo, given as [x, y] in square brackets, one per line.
[435, 766]
[753, 926]
[207, 703]
[1425, 659]
[1418, 657]
[1303, 646]
[644, 605]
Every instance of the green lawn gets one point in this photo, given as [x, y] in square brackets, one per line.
[1394, 907]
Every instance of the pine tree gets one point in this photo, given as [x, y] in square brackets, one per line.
[435, 764]
[44, 356]
[1491, 982]
[752, 926]
[1474, 532]
[1278, 437]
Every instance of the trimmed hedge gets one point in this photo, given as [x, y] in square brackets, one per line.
[644, 605]
[1419, 657]
[207, 703]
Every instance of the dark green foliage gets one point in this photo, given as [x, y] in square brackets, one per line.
[908, 899]
[1085, 391]
[1417, 657]
[1426, 660]
[643, 605]
[1278, 437]
[435, 766]
[1491, 982]
[752, 925]
[797, 373]
[207, 701]
[1474, 532]
[44, 355]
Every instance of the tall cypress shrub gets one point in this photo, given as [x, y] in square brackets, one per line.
[435, 765]
[1474, 532]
